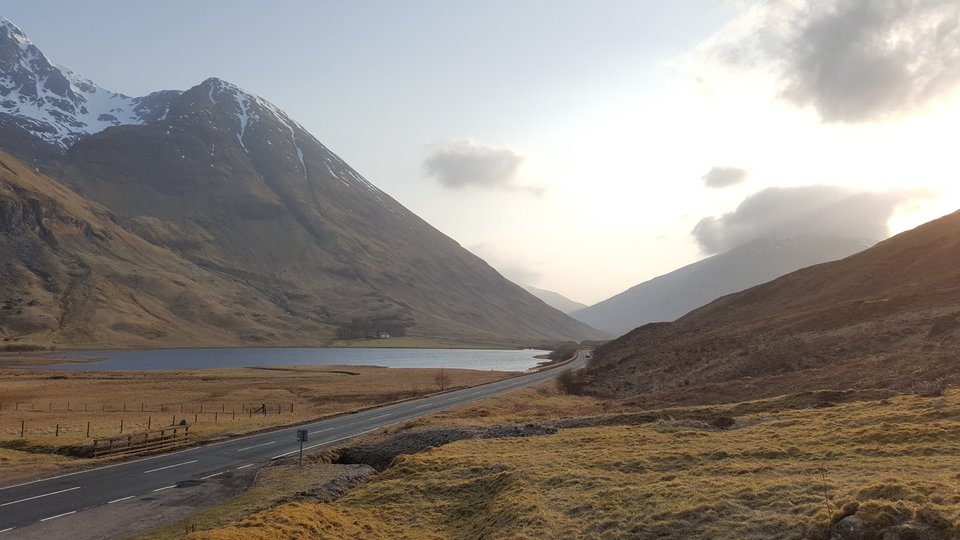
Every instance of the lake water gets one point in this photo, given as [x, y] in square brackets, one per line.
[173, 359]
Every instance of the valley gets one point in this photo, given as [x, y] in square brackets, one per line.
[214, 326]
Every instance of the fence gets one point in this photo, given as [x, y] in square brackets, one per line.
[129, 420]
[202, 407]
[141, 442]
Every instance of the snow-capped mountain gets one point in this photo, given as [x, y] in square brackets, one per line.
[55, 104]
[222, 182]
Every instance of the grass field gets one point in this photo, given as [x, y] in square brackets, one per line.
[787, 467]
[54, 408]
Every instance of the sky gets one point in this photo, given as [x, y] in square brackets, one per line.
[579, 146]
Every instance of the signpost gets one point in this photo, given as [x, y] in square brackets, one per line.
[302, 435]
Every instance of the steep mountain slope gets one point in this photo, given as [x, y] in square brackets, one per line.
[57, 106]
[886, 317]
[555, 300]
[71, 275]
[671, 295]
[225, 181]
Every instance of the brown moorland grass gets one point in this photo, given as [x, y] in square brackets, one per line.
[273, 484]
[788, 467]
[42, 400]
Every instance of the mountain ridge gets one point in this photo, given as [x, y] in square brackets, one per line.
[555, 299]
[887, 317]
[57, 105]
[229, 183]
[667, 297]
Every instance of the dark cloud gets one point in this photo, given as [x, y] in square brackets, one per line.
[856, 60]
[721, 177]
[464, 163]
[801, 211]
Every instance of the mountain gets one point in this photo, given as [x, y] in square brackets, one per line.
[555, 300]
[888, 317]
[224, 181]
[72, 275]
[57, 106]
[671, 295]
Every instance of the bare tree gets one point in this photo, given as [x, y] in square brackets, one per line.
[442, 380]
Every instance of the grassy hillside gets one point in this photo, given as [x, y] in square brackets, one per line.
[790, 467]
[74, 274]
[886, 317]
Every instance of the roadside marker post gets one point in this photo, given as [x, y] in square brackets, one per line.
[302, 435]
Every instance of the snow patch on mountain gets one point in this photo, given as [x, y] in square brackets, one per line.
[53, 103]
[60, 107]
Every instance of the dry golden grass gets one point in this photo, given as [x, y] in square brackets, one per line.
[272, 484]
[785, 469]
[41, 400]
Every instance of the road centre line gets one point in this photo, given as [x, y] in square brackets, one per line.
[493, 391]
[245, 466]
[121, 464]
[333, 441]
[123, 499]
[257, 446]
[59, 515]
[218, 443]
[39, 496]
[8, 529]
[211, 475]
[170, 466]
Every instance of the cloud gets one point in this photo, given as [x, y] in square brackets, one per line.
[852, 60]
[802, 211]
[464, 163]
[721, 177]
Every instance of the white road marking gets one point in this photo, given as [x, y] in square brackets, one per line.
[245, 466]
[257, 446]
[422, 406]
[379, 416]
[123, 499]
[322, 430]
[58, 515]
[39, 496]
[165, 487]
[333, 441]
[85, 471]
[170, 466]
[495, 391]
[8, 529]
[211, 475]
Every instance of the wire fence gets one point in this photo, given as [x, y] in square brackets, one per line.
[183, 407]
[87, 420]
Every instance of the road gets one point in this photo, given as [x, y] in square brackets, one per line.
[68, 494]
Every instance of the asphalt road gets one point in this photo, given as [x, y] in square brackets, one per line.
[68, 494]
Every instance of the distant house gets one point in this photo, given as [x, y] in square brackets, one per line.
[384, 335]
